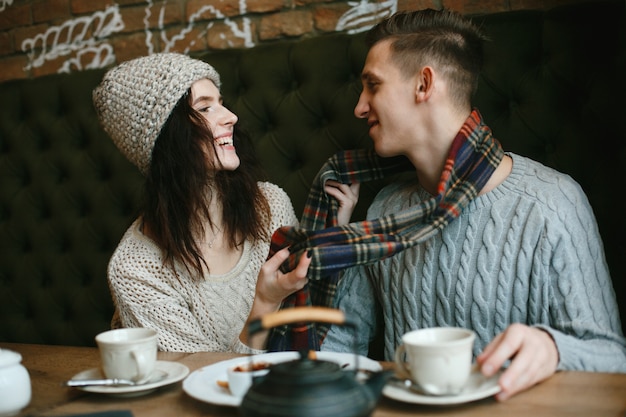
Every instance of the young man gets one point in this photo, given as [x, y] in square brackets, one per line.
[530, 280]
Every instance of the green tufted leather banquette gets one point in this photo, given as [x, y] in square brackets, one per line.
[553, 88]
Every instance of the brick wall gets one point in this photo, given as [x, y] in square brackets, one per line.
[39, 37]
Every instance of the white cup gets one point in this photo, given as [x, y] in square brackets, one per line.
[240, 376]
[438, 360]
[128, 353]
[15, 389]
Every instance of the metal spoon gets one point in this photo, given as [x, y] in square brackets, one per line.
[406, 383]
[115, 382]
[409, 384]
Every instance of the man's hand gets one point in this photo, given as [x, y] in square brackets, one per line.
[533, 354]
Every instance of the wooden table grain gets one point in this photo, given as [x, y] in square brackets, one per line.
[566, 394]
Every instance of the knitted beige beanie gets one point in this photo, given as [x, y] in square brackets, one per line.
[135, 99]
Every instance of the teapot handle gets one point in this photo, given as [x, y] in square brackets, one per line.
[298, 315]
[305, 314]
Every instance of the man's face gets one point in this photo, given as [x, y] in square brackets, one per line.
[387, 102]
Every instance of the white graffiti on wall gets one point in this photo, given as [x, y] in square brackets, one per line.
[71, 38]
[98, 56]
[4, 4]
[169, 43]
[83, 37]
[363, 15]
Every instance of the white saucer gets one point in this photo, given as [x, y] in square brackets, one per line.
[477, 388]
[202, 383]
[175, 372]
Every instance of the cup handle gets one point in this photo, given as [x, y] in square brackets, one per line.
[143, 371]
[401, 365]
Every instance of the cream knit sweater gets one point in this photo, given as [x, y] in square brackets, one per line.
[190, 316]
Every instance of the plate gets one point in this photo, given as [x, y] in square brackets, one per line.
[202, 383]
[477, 388]
[175, 372]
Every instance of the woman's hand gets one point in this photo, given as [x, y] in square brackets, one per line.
[533, 354]
[347, 195]
[272, 287]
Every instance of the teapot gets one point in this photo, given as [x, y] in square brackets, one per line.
[308, 387]
[15, 390]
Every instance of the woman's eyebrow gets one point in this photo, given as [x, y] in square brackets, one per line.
[203, 98]
[207, 98]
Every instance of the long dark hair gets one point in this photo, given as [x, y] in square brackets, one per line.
[183, 180]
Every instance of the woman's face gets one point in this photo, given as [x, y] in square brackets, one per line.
[207, 101]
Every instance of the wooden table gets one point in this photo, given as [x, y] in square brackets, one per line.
[566, 394]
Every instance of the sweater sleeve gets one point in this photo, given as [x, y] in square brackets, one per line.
[584, 322]
[355, 297]
[281, 207]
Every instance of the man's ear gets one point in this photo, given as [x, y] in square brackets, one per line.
[424, 84]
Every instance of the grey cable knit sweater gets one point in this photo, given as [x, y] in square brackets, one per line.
[529, 251]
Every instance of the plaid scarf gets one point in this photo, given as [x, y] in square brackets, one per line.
[472, 159]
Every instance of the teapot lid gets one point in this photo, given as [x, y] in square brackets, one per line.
[307, 370]
[8, 357]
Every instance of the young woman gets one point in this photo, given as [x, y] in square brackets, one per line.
[193, 265]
